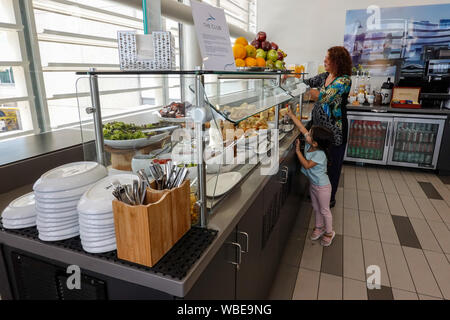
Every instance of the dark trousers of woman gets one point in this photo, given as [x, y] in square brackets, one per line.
[334, 171]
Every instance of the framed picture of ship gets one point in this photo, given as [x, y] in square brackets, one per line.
[389, 35]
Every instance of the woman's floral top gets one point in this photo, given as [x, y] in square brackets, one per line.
[328, 110]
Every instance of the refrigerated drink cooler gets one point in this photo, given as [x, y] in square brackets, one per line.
[394, 139]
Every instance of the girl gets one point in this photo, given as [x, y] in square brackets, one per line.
[314, 166]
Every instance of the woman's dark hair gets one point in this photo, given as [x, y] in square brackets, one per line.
[341, 61]
[323, 137]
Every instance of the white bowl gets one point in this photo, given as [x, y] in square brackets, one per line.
[66, 194]
[60, 233]
[49, 238]
[98, 198]
[100, 216]
[100, 249]
[61, 206]
[20, 208]
[28, 220]
[98, 231]
[96, 223]
[56, 224]
[70, 176]
[100, 243]
[93, 237]
[18, 226]
[57, 215]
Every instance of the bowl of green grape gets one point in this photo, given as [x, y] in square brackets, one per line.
[120, 135]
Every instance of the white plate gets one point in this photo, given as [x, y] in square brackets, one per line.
[102, 216]
[68, 205]
[56, 229]
[100, 249]
[54, 200]
[56, 224]
[18, 226]
[19, 221]
[98, 199]
[20, 208]
[136, 143]
[225, 182]
[57, 215]
[50, 220]
[49, 238]
[96, 223]
[288, 127]
[101, 243]
[70, 176]
[93, 238]
[97, 231]
[61, 233]
[89, 234]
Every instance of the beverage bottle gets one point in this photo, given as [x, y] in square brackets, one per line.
[386, 92]
[356, 88]
[367, 88]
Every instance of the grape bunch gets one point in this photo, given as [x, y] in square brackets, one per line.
[125, 131]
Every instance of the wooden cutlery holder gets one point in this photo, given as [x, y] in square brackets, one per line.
[180, 209]
[144, 232]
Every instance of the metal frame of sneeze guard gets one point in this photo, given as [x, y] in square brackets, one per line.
[201, 114]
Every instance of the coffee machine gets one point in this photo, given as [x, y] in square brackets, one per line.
[435, 78]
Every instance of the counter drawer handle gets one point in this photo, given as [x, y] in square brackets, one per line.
[246, 240]
[237, 264]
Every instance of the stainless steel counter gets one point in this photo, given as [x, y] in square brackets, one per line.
[388, 109]
[226, 217]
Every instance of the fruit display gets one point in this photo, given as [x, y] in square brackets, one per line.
[175, 110]
[125, 131]
[259, 53]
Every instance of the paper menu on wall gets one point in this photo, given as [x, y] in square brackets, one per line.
[213, 37]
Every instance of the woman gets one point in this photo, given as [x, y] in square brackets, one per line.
[333, 87]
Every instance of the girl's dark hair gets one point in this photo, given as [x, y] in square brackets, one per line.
[324, 138]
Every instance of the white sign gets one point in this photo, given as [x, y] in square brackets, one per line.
[213, 37]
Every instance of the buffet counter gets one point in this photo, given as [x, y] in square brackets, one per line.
[155, 283]
[377, 109]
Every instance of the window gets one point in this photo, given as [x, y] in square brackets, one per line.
[16, 105]
[241, 13]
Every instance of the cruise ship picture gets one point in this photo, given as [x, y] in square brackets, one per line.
[397, 38]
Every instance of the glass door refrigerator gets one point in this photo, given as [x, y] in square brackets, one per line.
[368, 139]
[415, 142]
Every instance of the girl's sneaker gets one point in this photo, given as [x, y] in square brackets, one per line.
[317, 233]
[327, 240]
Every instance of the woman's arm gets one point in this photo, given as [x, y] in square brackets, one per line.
[307, 164]
[317, 81]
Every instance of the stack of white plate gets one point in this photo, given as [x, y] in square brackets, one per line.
[20, 213]
[57, 193]
[96, 214]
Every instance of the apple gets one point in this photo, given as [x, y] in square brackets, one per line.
[272, 55]
[270, 64]
[260, 53]
[256, 44]
[279, 65]
[261, 36]
[274, 46]
[280, 56]
[265, 45]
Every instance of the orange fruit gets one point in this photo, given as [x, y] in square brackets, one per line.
[242, 41]
[250, 62]
[251, 51]
[239, 51]
[240, 63]
[260, 62]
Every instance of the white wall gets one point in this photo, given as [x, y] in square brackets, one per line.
[305, 29]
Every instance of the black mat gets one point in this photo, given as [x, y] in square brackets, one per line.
[176, 263]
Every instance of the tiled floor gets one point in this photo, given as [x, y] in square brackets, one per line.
[396, 219]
